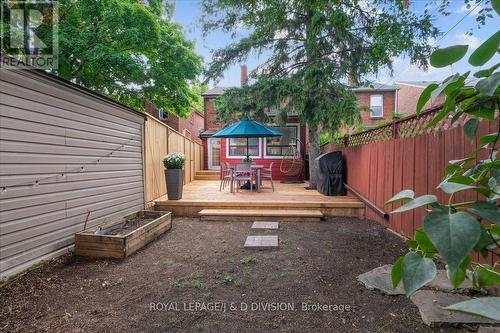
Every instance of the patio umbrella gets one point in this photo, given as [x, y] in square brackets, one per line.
[246, 128]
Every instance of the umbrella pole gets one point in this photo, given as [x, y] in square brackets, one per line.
[248, 152]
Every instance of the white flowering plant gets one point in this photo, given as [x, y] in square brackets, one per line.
[174, 161]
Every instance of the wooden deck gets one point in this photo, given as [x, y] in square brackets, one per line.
[205, 194]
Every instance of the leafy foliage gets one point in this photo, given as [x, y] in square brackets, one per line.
[129, 51]
[454, 229]
[313, 47]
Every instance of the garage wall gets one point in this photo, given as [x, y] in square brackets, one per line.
[67, 156]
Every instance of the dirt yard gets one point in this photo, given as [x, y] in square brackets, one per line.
[189, 279]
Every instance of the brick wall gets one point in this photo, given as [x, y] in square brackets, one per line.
[211, 123]
[193, 124]
[389, 100]
[408, 97]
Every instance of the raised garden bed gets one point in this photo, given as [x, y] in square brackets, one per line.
[120, 239]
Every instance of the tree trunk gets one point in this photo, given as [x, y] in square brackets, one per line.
[314, 150]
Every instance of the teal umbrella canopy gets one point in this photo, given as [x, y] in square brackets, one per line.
[246, 128]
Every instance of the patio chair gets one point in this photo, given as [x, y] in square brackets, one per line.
[243, 172]
[226, 175]
[267, 173]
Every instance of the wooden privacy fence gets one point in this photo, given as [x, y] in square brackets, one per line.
[159, 140]
[407, 155]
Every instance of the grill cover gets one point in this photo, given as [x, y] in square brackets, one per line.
[331, 173]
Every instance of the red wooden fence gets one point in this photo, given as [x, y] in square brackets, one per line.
[380, 169]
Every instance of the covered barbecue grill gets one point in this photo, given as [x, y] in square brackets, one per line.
[331, 173]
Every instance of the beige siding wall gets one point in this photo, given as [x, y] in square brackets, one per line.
[50, 129]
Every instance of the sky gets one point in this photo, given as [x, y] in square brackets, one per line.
[188, 12]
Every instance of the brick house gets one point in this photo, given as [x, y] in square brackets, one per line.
[263, 151]
[409, 92]
[191, 126]
[379, 101]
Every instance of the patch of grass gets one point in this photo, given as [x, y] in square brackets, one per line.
[66, 315]
[167, 261]
[120, 281]
[106, 283]
[199, 328]
[193, 280]
[199, 284]
[249, 260]
[229, 279]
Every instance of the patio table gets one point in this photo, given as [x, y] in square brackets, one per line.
[258, 168]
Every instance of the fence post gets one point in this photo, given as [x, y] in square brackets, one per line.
[346, 140]
[394, 130]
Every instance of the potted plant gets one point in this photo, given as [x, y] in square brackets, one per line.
[247, 160]
[174, 174]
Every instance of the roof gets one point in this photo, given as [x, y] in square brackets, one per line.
[376, 87]
[423, 84]
[215, 91]
[82, 89]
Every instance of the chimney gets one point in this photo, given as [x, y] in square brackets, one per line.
[244, 74]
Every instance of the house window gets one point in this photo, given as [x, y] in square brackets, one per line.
[237, 147]
[281, 145]
[377, 106]
[163, 115]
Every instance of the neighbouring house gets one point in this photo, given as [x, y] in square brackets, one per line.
[409, 92]
[380, 102]
[263, 151]
[191, 126]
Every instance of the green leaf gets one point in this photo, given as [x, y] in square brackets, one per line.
[457, 276]
[424, 243]
[489, 85]
[417, 202]
[417, 272]
[470, 128]
[412, 244]
[461, 180]
[451, 187]
[496, 6]
[486, 210]
[447, 56]
[453, 168]
[488, 138]
[485, 113]
[460, 161]
[404, 195]
[454, 235]
[425, 96]
[486, 276]
[485, 51]
[486, 72]
[488, 307]
[451, 79]
[397, 272]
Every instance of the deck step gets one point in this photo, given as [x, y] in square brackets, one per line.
[283, 215]
[207, 172]
[207, 175]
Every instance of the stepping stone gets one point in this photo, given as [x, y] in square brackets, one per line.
[265, 225]
[261, 242]
[380, 278]
[441, 282]
[431, 305]
[488, 329]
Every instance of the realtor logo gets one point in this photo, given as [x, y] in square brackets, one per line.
[29, 33]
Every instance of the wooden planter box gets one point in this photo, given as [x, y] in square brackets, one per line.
[89, 244]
